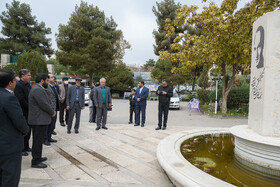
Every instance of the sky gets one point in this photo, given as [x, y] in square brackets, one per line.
[134, 17]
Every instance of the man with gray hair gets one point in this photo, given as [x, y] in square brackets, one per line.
[102, 101]
[75, 102]
[22, 90]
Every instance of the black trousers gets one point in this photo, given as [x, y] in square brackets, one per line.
[10, 169]
[62, 109]
[163, 108]
[51, 127]
[39, 133]
[27, 138]
[131, 111]
[93, 113]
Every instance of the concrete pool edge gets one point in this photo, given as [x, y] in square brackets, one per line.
[179, 170]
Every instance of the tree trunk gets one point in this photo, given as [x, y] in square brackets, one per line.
[193, 86]
[227, 88]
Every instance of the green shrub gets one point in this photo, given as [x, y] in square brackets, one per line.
[237, 97]
[212, 95]
[190, 97]
[202, 95]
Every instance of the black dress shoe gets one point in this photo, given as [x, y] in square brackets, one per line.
[142, 125]
[53, 133]
[43, 159]
[158, 128]
[76, 132]
[27, 149]
[163, 128]
[46, 142]
[24, 153]
[68, 132]
[105, 128]
[97, 128]
[40, 165]
[52, 140]
[62, 124]
[130, 122]
[137, 124]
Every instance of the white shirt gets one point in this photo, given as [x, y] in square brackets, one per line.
[141, 90]
[9, 90]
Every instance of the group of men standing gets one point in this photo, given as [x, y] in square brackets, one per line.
[138, 103]
[24, 109]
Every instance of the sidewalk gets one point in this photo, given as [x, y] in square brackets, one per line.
[124, 155]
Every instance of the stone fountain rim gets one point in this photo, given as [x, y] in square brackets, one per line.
[246, 133]
[180, 171]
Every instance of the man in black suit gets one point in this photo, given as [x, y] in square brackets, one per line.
[132, 102]
[164, 92]
[40, 116]
[22, 90]
[12, 129]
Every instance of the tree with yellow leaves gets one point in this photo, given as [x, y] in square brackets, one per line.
[226, 40]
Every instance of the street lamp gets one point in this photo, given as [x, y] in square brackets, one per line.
[216, 100]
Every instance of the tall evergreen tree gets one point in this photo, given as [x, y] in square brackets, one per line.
[22, 32]
[165, 10]
[88, 40]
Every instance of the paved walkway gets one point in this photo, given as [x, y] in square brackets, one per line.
[124, 155]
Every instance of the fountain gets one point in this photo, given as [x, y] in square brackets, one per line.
[255, 154]
[257, 145]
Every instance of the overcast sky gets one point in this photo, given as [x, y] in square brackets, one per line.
[134, 17]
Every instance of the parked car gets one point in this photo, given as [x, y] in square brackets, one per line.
[87, 92]
[175, 101]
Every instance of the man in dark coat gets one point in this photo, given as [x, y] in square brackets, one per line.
[21, 92]
[93, 107]
[13, 127]
[53, 98]
[40, 115]
[132, 103]
[164, 92]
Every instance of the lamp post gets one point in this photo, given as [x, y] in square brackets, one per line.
[219, 77]
[216, 101]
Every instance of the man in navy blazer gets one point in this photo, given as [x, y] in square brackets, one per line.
[141, 96]
[13, 127]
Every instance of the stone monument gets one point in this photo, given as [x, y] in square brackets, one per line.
[257, 145]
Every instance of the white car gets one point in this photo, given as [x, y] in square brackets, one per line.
[175, 101]
[87, 92]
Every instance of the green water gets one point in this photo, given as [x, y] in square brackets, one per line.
[215, 156]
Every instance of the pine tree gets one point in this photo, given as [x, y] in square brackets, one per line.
[22, 32]
[88, 40]
[165, 10]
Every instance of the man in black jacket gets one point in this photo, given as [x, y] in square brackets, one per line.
[132, 102]
[21, 92]
[12, 129]
[164, 92]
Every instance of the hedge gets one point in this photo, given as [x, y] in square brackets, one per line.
[237, 97]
